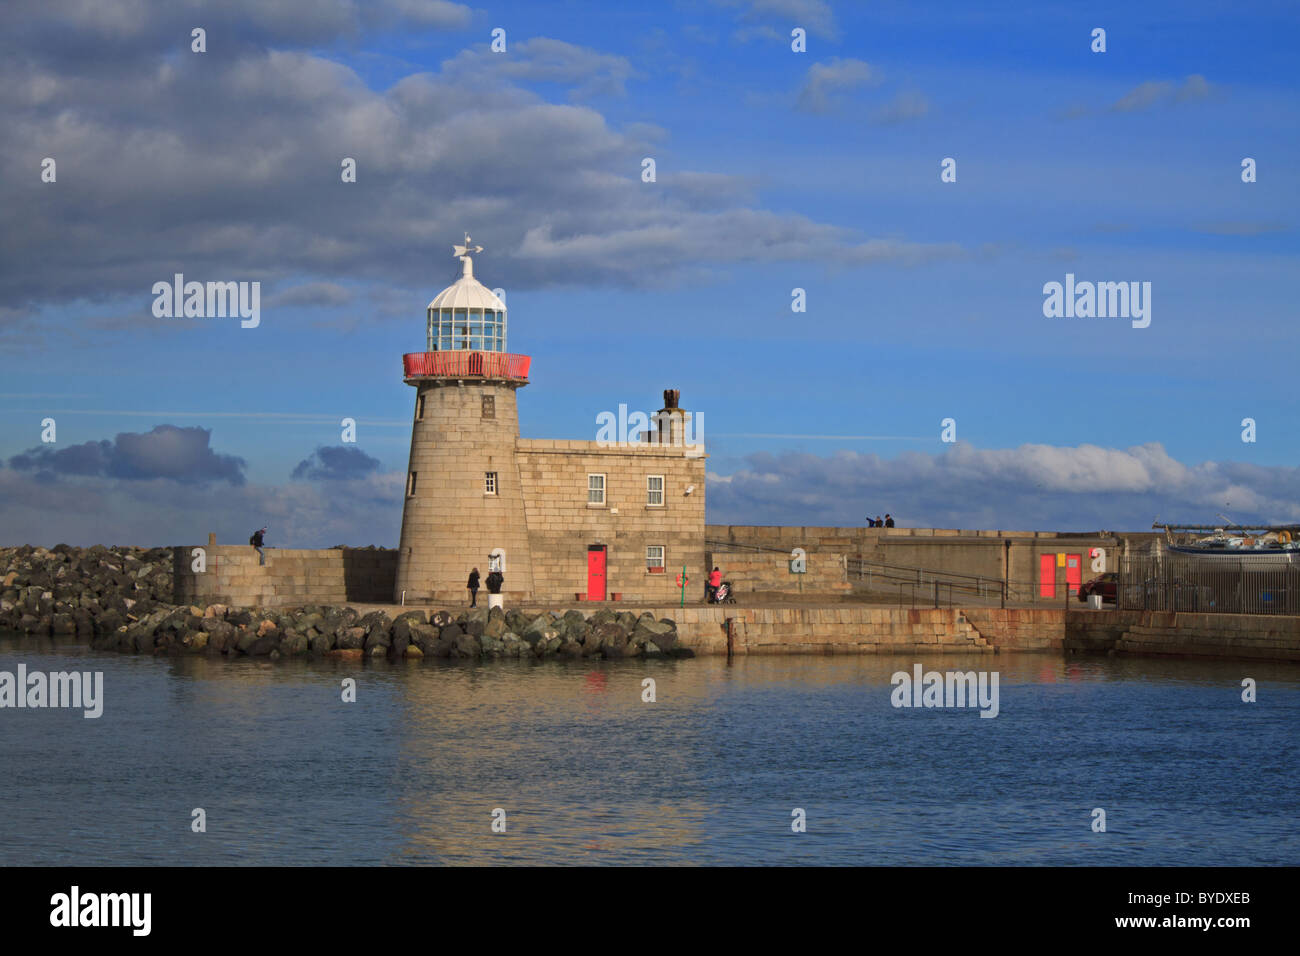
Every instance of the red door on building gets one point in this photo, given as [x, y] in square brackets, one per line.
[1073, 572]
[1047, 575]
[596, 572]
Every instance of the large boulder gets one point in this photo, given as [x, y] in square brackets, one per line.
[648, 630]
[606, 635]
[468, 646]
[378, 627]
[352, 639]
[424, 636]
[604, 616]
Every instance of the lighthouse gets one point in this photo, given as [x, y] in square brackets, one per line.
[618, 518]
[464, 504]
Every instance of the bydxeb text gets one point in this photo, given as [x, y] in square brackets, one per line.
[953, 689]
[215, 300]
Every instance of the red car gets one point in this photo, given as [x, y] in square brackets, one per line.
[1105, 586]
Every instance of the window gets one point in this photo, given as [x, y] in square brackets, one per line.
[654, 559]
[489, 406]
[489, 483]
[654, 491]
[595, 489]
[419, 409]
[410, 486]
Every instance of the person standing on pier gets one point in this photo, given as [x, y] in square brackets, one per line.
[715, 579]
[889, 521]
[256, 541]
[473, 588]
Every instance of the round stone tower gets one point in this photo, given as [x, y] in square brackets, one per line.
[464, 503]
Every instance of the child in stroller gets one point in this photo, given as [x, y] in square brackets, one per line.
[722, 594]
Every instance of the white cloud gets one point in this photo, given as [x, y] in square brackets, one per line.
[826, 82]
[1034, 486]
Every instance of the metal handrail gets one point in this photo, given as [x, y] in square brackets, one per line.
[458, 364]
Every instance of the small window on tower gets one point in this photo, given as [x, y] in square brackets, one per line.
[489, 483]
[654, 559]
[489, 406]
[654, 491]
[419, 409]
[410, 486]
[596, 490]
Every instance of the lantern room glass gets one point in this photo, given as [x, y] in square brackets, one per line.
[476, 330]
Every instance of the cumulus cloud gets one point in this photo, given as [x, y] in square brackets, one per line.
[157, 512]
[225, 167]
[543, 59]
[1031, 487]
[826, 83]
[907, 105]
[761, 18]
[1157, 92]
[335, 463]
[328, 294]
[178, 454]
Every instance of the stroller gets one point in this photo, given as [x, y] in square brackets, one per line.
[723, 594]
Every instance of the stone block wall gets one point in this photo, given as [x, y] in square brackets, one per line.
[290, 577]
[450, 523]
[821, 630]
[769, 572]
[562, 524]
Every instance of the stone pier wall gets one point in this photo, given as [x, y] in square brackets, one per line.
[290, 577]
[823, 630]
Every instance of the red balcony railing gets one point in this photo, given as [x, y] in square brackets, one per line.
[498, 365]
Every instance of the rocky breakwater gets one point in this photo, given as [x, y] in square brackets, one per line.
[82, 592]
[119, 599]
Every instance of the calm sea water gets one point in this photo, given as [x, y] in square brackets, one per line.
[589, 774]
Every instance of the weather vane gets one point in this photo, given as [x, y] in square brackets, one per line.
[461, 251]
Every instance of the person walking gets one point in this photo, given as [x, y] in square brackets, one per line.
[715, 579]
[889, 521]
[256, 541]
[473, 588]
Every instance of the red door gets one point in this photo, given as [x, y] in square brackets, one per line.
[1073, 572]
[596, 572]
[1047, 575]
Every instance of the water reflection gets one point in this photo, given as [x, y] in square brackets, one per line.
[709, 773]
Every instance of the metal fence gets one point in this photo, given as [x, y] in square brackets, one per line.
[935, 587]
[1223, 584]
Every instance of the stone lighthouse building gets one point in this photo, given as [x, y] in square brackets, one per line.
[610, 519]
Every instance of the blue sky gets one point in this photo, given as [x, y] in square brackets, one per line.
[775, 170]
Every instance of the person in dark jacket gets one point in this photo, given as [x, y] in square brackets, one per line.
[879, 523]
[889, 521]
[494, 581]
[256, 541]
[473, 588]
